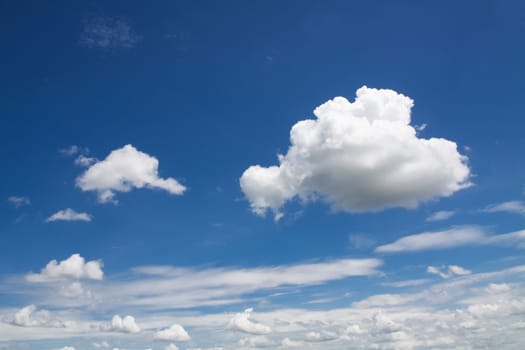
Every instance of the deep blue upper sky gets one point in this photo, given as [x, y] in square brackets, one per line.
[211, 88]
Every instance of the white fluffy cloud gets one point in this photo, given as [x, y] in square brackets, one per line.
[69, 215]
[124, 169]
[449, 271]
[173, 333]
[171, 347]
[124, 325]
[73, 267]
[29, 316]
[360, 156]
[241, 322]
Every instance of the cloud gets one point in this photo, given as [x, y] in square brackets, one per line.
[515, 207]
[358, 157]
[289, 343]
[259, 341]
[173, 333]
[73, 267]
[69, 215]
[71, 150]
[171, 347]
[103, 32]
[74, 290]
[440, 216]
[434, 240]
[100, 345]
[66, 348]
[124, 169]
[320, 336]
[123, 325]
[29, 316]
[241, 322]
[455, 237]
[19, 201]
[85, 161]
[449, 271]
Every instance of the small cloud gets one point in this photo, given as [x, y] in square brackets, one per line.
[289, 343]
[420, 127]
[124, 169]
[320, 336]
[19, 201]
[515, 207]
[102, 32]
[259, 341]
[123, 325]
[74, 290]
[29, 316]
[101, 345]
[84, 161]
[449, 271]
[73, 267]
[360, 241]
[173, 333]
[69, 215]
[66, 348]
[70, 151]
[241, 322]
[440, 215]
[171, 347]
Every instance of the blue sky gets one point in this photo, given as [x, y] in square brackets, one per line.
[170, 183]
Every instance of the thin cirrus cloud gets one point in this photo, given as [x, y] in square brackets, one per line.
[74, 267]
[124, 169]
[69, 215]
[19, 201]
[454, 237]
[448, 271]
[440, 215]
[359, 157]
[104, 32]
[515, 207]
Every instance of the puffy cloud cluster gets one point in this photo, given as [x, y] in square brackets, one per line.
[69, 215]
[241, 322]
[124, 325]
[124, 169]
[173, 333]
[449, 271]
[360, 156]
[29, 316]
[259, 341]
[73, 267]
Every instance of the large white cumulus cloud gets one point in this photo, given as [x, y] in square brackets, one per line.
[360, 156]
[124, 169]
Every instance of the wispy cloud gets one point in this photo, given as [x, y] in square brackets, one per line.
[19, 201]
[455, 237]
[448, 271]
[440, 216]
[515, 207]
[103, 32]
[69, 215]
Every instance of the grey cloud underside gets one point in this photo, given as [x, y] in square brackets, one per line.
[360, 156]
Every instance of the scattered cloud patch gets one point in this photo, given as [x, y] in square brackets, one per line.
[242, 322]
[29, 316]
[85, 161]
[102, 32]
[74, 290]
[434, 240]
[171, 347]
[71, 150]
[69, 215]
[66, 348]
[19, 201]
[73, 267]
[259, 341]
[360, 241]
[515, 207]
[173, 333]
[358, 157]
[449, 271]
[101, 345]
[126, 324]
[124, 169]
[289, 343]
[440, 215]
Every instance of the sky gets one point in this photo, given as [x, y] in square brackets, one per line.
[202, 175]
